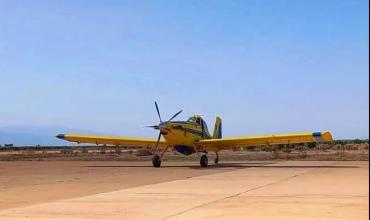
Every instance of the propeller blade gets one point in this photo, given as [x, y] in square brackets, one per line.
[152, 126]
[156, 145]
[175, 115]
[159, 115]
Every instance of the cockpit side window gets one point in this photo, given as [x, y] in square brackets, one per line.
[198, 121]
[205, 126]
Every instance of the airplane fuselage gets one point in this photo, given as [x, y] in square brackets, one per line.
[183, 134]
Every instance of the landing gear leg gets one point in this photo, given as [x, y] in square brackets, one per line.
[204, 160]
[216, 159]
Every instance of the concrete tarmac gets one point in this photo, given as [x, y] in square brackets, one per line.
[278, 190]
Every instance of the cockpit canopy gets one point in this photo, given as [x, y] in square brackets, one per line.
[198, 120]
[195, 119]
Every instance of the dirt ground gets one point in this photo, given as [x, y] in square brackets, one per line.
[347, 152]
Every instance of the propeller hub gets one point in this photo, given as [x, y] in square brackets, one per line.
[163, 126]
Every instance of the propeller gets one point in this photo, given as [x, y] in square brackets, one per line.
[161, 122]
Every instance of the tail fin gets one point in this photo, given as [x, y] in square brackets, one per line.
[217, 131]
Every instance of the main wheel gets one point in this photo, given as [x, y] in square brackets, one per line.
[156, 161]
[203, 161]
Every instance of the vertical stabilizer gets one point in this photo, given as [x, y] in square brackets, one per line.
[217, 131]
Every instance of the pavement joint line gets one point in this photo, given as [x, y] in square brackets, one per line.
[167, 194]
[237, 194]
[308, 196]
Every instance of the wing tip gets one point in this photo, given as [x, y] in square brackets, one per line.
[325, 135]
[60, 136]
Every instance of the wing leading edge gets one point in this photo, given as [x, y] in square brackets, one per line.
[290, 138]
[111, 140]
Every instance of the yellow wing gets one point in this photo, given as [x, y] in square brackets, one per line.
[111, 140]
[290, 138]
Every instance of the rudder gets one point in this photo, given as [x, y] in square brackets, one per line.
[217, 131]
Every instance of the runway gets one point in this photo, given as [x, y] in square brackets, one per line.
[239, 190]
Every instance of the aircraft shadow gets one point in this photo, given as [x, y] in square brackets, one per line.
[228, 165]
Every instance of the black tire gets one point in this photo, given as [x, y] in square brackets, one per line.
[204, 161]
[156, 161]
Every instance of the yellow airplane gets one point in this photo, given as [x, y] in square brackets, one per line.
[192, 136]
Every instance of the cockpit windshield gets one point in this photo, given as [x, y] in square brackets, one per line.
[192, 119]
[195, 119]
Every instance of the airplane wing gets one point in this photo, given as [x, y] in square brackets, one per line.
[290, 138]
[111, 140]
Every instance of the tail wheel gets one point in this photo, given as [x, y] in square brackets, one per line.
[156, 161]
[204, 161]
[216, 159]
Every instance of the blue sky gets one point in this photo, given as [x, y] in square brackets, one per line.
[263, 66]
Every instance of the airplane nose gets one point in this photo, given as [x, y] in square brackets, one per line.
[163, 125]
